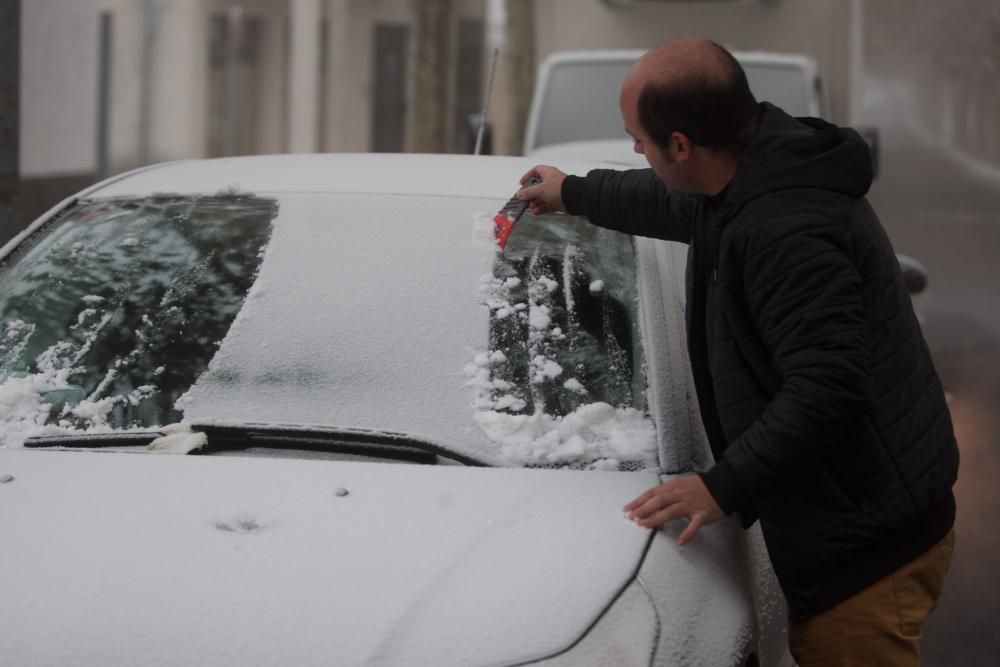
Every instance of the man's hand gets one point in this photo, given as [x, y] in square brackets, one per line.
[546, 197]
[684, 496]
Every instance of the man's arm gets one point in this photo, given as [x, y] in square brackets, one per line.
[634, 201]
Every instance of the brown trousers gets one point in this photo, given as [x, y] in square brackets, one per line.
[881, 625]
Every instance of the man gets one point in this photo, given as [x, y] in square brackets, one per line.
[825, 415]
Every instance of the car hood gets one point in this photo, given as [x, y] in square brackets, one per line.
[124, 558]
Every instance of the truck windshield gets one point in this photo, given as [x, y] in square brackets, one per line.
[580, 100]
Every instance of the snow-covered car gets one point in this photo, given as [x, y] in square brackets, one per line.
[407, 447]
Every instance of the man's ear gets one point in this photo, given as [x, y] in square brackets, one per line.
[680, 146]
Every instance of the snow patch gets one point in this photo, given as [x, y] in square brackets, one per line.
[591, 432]
[23, 409]
[543, 369]
[597, 434]
[178, 439]
[96, 411]
[512, 403]
[539, 318]
[483, 232]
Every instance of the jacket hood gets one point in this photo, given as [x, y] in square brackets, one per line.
[792, 152]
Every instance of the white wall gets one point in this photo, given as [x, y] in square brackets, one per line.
[59, 97]
[58, 101]
[179, 126]
[304, 69]
[126, 71]
[350, 89]
[351, 67]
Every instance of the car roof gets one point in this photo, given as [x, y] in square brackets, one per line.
[619, 152]
[363, 173]
[631, 55]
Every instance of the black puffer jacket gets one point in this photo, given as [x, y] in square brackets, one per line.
[823, 408]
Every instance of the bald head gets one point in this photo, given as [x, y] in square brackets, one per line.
[681, 60]
[692, 86]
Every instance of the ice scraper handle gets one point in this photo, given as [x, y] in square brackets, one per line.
[511, 213]
[514, 208]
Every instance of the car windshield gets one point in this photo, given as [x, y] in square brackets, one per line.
[139, 313]
[784, 85]
[117, 308]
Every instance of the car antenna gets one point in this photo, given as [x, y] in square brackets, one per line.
[486, 102]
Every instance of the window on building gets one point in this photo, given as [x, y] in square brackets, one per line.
[468, 82]
[389, 103]
[233, 80]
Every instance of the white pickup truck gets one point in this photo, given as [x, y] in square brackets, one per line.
[574, 109]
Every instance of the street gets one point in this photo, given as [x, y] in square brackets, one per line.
[945, 213]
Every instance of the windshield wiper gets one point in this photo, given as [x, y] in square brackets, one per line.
[92, 440]
[240, 436]
[387, 444]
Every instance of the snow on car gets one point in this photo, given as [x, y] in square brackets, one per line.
[406, 446]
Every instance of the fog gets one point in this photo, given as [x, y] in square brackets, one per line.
[94, 88]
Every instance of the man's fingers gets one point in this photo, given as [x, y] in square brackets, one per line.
[528, 174]
[668, 513]
[530, 193]
[641, 499]
[692, 529]
[653, 504]
[682, 497]
[539, 207]
[546, 196]
[542, 171]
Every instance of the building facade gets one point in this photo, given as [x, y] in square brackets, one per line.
[109, 85]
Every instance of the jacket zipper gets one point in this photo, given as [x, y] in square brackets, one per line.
[716, 238]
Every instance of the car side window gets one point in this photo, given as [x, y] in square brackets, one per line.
[115, 309]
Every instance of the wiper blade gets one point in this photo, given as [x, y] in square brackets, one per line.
[383, 444]
[223, 437]
[93, 440]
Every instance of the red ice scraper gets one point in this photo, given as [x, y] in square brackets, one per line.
[511, 212]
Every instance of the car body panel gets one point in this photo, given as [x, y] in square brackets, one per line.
[143, 559]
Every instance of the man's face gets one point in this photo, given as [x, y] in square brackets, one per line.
[666, 167]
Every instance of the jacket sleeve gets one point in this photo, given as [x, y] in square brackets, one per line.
[804, 295]
[634, 201]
